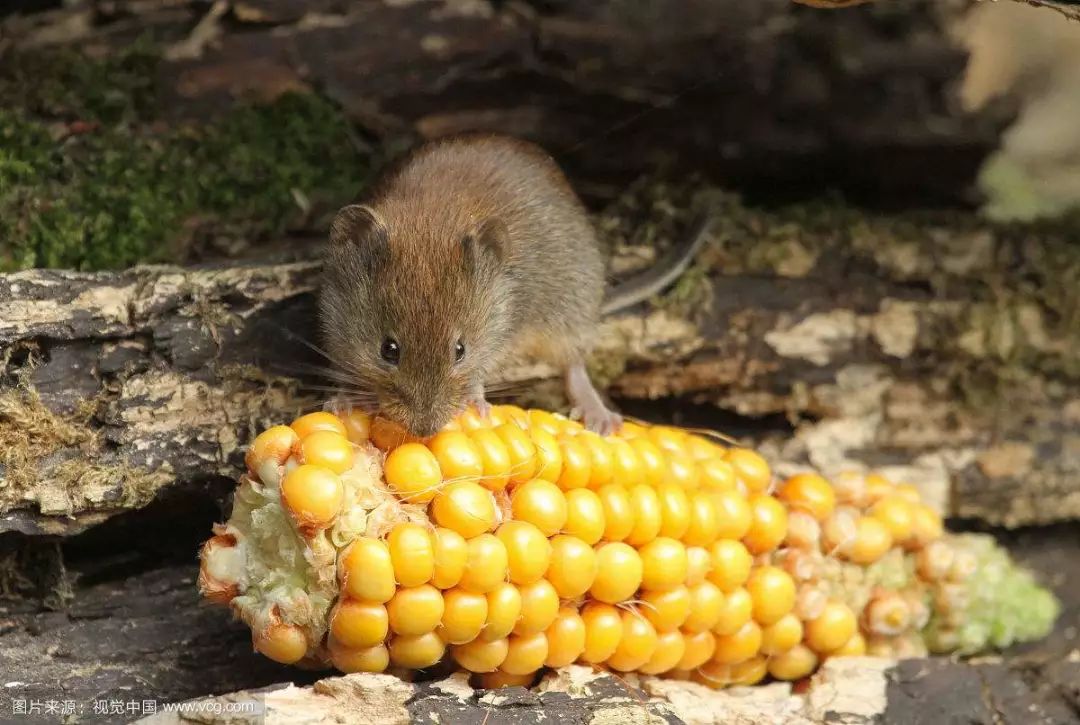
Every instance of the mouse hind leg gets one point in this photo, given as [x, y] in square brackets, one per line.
[595, 414]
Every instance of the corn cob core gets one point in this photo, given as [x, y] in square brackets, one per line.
[521, 541]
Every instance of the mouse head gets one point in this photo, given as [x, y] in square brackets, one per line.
[417, 311]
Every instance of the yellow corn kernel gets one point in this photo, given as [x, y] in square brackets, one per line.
[356, 624]
[494, 457]
[413, 553]
[545, 421]
[636, 646]
[327, 449]
[803, 531]
[670, 648]
[498, 679]
[481, 655]
[926, 526]
[527, 549]
[584, 515]
[809, 492]
[573, 566]
[576, 463]
[631, 429]
[772, 591]
[750, 672]
[284, 643]
[465, 507]
[794, 664]
[698, 564]
[601, 459]
[736, 610]
[739, 646]
[525, 654]
[357, 426]
[618, 512]
[646, 507]
[464, 616]
[733, 514]
[415, 610]
[781, 635]
[456, 455]
[415, 652]
[603, 631]
[768, 525]
[669, 439]
[674, 510]
[872, 541]
[664, 564]
[470, 420]
[701, 448]
[387, 435]
[314, 496]
[750, 468]
[854, 647]
[618, 573]
[504, 609]
[522, 452]
[717, 474]
[653, 461]
[540, 503]
[896, 513]
[704, 525]
[683, 473]
[305, 425]
[539, 607]
[269, 452]
[368, 659]
[486, 565]
[549, 457]
[451, 557]
[706, 607]
[565, 638]
[510, 414]
[627, 467]
[876, 488]
[666, 610]
[367, 571]
[412, 472]
[700, 647]
[832, 629]
[729, 564]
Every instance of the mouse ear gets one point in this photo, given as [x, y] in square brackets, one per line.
[490, 236]
[359, 226]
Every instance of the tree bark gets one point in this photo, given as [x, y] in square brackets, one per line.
[941, 352]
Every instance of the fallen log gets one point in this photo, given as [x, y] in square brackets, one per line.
[940, 351]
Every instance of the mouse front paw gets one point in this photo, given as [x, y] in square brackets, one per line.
[480, 403]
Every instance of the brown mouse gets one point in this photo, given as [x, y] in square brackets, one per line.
[464, 249]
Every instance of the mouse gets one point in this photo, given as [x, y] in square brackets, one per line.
[464, 249]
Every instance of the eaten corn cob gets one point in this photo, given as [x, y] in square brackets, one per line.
[507, 544]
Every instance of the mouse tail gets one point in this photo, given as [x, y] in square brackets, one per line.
[662, 274]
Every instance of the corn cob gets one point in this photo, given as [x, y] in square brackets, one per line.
[507, 544]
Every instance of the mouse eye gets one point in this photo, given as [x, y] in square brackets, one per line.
[391, 351]
[459, 351]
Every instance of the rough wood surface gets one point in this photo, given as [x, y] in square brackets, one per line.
[777, 95]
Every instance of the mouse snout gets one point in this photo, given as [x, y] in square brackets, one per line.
[421, 417]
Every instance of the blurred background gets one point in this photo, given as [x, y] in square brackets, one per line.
[893, 281]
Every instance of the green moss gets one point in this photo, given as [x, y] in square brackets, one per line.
[88, 180]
